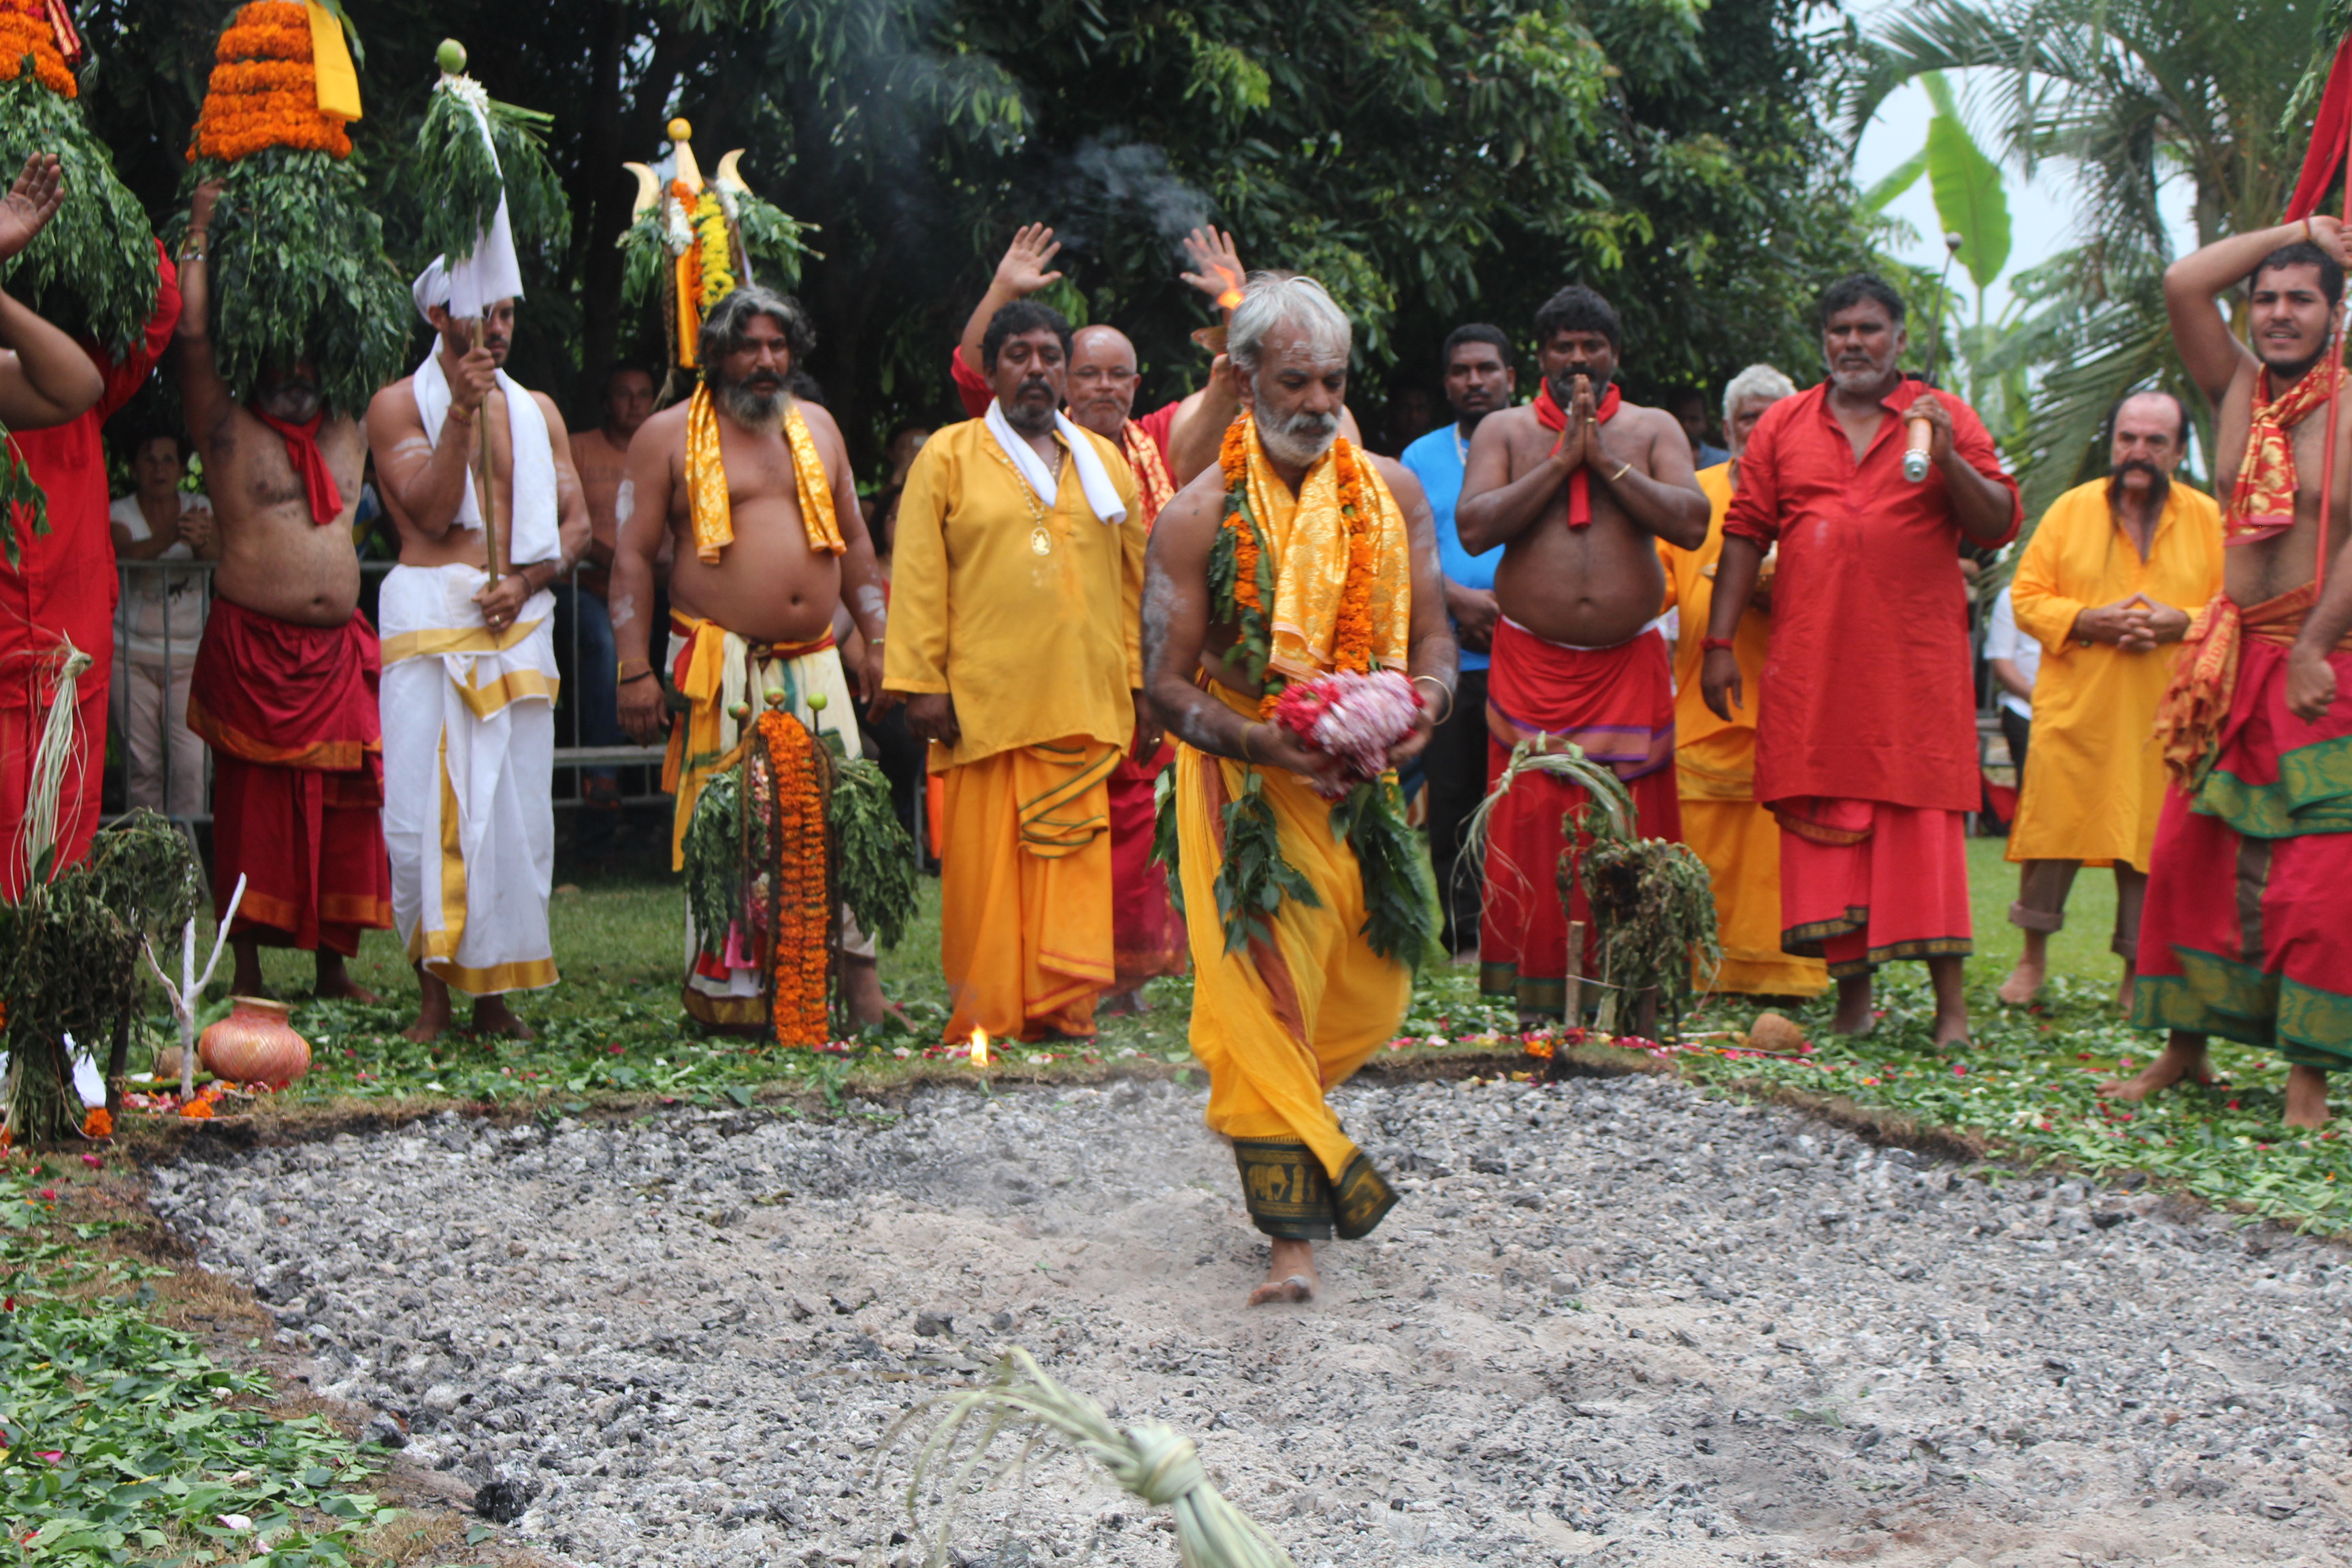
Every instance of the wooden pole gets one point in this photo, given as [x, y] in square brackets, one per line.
[487, 488]
[2335, 360]
[1572, 989]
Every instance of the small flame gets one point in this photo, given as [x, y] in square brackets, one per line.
[978, 1048]
[1230, 300]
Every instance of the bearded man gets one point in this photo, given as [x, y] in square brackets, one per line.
[55, 397]
[753, 486]
[1866, 735]
[1579, 488]
[2116, 574]
[1280, 1018]
[1163, 448]
[2247, 930]
[1018, 561]
[469, 677]
[284, 689]
[1715, 759]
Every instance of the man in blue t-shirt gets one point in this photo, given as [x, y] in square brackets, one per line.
[1479, 380]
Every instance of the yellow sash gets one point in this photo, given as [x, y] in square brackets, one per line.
[706, 482]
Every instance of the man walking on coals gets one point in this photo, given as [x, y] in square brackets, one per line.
[1294, 1005]
[2247, 929]
[1866, 741]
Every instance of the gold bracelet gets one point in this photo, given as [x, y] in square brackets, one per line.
[1247, 755]
[1622, 469]
[1441, 686]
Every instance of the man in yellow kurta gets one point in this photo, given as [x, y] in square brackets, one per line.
[1013, 620]
[1253, 582]
[2115, 575]
[1715, 759]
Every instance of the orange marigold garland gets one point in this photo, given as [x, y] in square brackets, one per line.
[1351, 642]
[25, 30]
[263, 91]
[800, 908]
[99, 1123]
[1241, 581]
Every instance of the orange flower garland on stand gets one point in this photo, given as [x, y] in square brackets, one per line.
[799, 905]
[263, 91]
[26, 29]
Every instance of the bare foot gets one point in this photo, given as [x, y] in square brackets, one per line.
[1289, 1275]
[1853, 1011]
[2183, 1058]
[433, 1008]
[1951, 1030]
[245, 977]
[2126, 990]
[2306, 1096]
[335, 980]
[861, 990]
[493, 1018]
[2023, 984]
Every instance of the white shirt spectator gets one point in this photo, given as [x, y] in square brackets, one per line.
[2003, 640]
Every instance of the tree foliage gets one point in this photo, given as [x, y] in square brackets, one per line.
[1432, 161]
[2128, 94]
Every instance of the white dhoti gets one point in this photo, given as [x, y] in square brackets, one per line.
[468, 768]
[717, 669]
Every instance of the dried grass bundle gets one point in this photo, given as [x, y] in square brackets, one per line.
[1148, 1460]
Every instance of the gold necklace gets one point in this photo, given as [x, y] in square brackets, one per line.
[1041, 539]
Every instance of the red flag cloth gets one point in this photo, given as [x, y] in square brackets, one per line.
[302, 451]
[1552, 416]
[2329, 130]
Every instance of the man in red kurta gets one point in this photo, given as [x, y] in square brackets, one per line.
[1866, 740]
[66, 589]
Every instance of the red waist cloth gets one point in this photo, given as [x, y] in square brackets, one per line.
[298, 776]
[1618, 703]
[2247, 929]
[1863, 882]
[289, 696]
[1145, 935]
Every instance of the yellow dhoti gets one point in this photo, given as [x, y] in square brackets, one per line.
[1740, 842]
[1278, 1028]
[1025, 890]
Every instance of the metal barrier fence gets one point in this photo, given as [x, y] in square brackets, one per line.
[163, 607]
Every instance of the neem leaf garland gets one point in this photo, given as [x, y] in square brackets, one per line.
[92, 268]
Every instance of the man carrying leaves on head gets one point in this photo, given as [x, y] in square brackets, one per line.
[1296, 557]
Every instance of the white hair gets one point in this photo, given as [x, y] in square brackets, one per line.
[1285, 299]
[1756, 381]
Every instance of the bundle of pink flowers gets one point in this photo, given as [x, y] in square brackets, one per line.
[1355, 718]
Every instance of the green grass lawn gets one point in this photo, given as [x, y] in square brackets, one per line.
[614, 1031]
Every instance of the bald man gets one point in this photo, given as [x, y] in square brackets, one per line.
[1165, 448]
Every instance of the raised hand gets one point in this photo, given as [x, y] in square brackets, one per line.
[2328, 234]
[39, 191]
[1023, 271]
[1217, 263]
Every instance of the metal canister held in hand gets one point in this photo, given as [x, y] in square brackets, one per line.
[1919, 436]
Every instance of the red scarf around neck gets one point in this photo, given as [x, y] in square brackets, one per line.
[1552, 416]
[302, 451]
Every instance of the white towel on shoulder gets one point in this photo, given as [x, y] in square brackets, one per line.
[1102, 495]
[532, 530]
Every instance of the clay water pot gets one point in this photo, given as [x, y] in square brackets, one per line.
[255, 1044]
